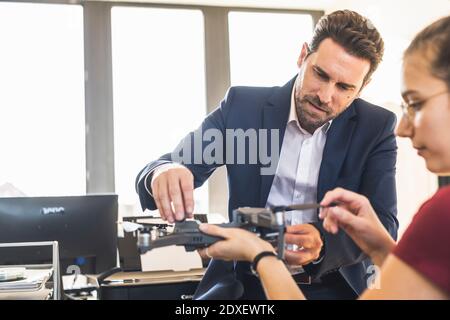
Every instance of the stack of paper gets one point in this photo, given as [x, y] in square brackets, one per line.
[34, 280]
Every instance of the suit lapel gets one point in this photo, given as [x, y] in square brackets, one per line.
[338, 141]
[275, 116]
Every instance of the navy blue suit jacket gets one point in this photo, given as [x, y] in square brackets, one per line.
[359, 155]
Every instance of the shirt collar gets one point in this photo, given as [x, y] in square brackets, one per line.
[294, 119]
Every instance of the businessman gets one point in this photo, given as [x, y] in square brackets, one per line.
[311, 135]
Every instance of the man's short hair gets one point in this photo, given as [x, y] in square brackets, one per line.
[355, 33]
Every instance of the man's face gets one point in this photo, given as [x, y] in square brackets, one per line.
[328, 82]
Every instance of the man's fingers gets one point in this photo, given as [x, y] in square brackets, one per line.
[156, 197]
[304, 241]
[173, 191]
[301, 257]
[164, 199]
[299, 229]
[175, 196]
[187, 189]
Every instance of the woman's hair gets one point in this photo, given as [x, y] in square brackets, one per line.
[434, 43]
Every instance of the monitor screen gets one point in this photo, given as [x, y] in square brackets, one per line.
[84, 226]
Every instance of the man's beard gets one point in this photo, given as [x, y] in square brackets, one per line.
[308, 120]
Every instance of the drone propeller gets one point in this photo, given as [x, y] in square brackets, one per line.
[131, 226]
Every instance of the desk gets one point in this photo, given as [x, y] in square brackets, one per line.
[152, 285]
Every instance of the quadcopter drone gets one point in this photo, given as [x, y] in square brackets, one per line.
[267, 223]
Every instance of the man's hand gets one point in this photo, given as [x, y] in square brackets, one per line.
[173, 190]
[308, 239]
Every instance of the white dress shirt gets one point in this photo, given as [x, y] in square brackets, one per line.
[297, 173]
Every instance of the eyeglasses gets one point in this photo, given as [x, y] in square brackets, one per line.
[410, 109]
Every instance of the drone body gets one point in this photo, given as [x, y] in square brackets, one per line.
[268, 223]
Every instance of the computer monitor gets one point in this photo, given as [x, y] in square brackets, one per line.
[84, 226]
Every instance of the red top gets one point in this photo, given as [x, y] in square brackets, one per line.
[425, 245]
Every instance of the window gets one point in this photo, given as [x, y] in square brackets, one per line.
[42, 137]
[264, 47]
[159, 90]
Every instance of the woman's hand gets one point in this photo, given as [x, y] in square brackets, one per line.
[356, 217]
[238, 244]
[243, 245]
